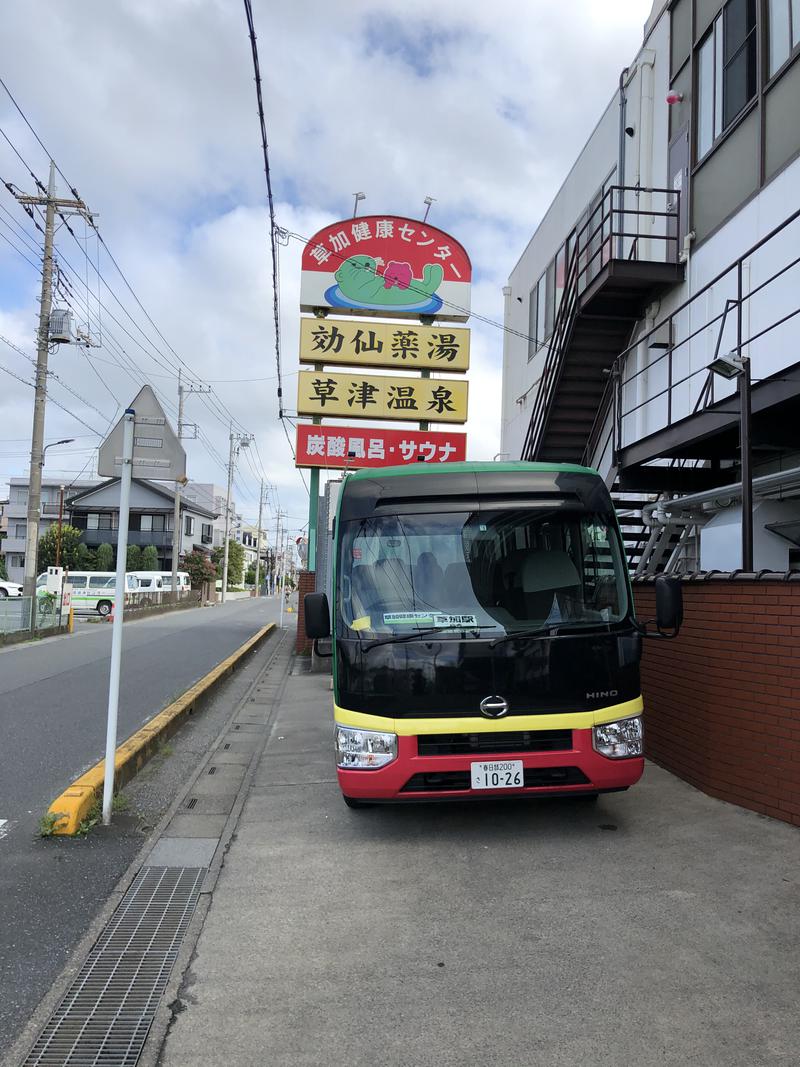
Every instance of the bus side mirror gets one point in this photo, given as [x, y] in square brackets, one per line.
[317, 615]
[669, 603]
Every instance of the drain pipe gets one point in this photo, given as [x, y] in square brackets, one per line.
[623, 103]
[647, 62]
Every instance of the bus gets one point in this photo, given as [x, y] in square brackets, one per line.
[484, 640]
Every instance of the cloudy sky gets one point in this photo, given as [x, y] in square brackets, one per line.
[148, 108]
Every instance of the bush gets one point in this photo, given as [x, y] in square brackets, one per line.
[133, 561]
[250, 577]
[105, 557]
[85, 559]
[70, 540]
[150, 558]
[235, 563]
[199, 568]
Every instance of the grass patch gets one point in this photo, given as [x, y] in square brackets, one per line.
[120, 803]
[49, 821]
[93, 816]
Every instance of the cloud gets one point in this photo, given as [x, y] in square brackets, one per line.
[149, 108]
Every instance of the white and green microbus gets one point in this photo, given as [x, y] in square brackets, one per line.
[92, 591]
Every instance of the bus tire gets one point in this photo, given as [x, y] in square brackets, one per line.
[104, 608]
[351, 802]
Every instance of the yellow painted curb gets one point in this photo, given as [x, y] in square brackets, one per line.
[74, 804]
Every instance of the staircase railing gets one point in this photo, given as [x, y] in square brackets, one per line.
[607, 226]
[562, 329]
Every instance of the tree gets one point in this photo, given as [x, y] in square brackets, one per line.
[200, 568]
[84, 559]
[3, 571]
[133, 561]
[150, 558]
[48, 543]
[105, 557]
[250, 576]
[235, 563]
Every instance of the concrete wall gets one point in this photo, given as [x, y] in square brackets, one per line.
[721, 701]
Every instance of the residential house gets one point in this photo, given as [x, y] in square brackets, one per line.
[15, 519]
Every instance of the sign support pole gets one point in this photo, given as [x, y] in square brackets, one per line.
[119, 605]
[313, 516]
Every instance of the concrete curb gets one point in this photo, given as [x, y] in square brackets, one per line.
[76, 801]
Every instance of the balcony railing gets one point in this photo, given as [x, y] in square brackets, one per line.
[160, 538]
[756, 295]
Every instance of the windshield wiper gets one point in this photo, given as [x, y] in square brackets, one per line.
[552, 630]
[396, 639]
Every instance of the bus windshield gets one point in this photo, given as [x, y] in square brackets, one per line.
[502, 571]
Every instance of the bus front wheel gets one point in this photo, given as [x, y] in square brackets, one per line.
[104, 608]
[351, 802]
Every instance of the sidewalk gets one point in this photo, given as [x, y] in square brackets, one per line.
[659, 927]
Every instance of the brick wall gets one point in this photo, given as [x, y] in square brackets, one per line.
[305, 584]
[722, 701]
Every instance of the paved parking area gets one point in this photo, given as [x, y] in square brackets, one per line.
[658, 927]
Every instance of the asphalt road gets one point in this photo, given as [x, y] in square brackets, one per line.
[53, 698]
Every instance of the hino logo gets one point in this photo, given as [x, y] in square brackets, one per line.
[494, 707]
[602, 694]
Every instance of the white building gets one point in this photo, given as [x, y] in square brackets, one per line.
[674, 239]
[212, 498]
[12, 546]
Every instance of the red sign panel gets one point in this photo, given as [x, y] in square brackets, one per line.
[341, 447]
[386, 265]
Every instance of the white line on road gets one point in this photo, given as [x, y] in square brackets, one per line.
[5, 826]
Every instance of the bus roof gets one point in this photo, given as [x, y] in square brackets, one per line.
[470, 467]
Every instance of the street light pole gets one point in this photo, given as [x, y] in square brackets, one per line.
[258, 536]
[60, 520]
[747, 465]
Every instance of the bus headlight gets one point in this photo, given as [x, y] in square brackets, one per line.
[619, 740]
[364, 749]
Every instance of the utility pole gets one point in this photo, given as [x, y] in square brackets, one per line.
[238, 441]
[258, 536]
[51, 204]
[177, 532]
[60, 521]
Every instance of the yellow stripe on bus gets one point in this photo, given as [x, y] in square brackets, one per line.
[574, 720]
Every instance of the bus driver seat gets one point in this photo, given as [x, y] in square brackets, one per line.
[550, 585]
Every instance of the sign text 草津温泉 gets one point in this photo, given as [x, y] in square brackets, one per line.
[353, 342]
[360, 396]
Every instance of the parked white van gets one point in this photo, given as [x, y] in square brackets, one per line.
[92, 591]
[184, 581]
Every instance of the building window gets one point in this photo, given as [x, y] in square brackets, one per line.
[19, 496]
[146, 523]
[726, 72]
[20, 529]
[784, 31]
[532, 312]
[188, 526]
[206, 533]
[100, 521]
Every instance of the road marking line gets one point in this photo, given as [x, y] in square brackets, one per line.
[5, 826]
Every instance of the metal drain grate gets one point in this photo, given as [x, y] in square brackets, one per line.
[107, 1012]
[191, 803]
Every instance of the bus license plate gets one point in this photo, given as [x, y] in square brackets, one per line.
[498, 774]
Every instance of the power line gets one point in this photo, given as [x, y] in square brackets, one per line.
[273, 242]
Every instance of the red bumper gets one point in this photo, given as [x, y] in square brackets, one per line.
[414, 777]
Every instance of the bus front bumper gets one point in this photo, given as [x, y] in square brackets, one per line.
[412, 776]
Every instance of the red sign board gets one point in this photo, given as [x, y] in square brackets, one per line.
[340, 447]
[386, 265]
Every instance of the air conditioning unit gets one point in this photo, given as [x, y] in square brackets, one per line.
[62, 328]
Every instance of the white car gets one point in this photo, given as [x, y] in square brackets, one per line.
[9, 589]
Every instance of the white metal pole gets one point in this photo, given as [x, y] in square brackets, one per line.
[177, 532]
[283, 582]
[258, 537]
[119, 605]
[225, 549]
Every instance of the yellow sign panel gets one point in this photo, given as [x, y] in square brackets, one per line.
[359, 396]
[376, 344]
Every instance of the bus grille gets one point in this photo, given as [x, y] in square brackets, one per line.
[481, 744]
[451, 781]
